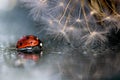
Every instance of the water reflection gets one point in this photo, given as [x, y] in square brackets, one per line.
[27, 58]
[32, 56]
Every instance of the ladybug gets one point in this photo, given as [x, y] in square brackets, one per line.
[29, 43]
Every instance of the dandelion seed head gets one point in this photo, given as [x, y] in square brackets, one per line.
[72, 17]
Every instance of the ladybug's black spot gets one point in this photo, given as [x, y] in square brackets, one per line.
[20, 44]
[30, 42]
[27, 37]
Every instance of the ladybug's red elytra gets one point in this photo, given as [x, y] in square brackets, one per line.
[29, 43]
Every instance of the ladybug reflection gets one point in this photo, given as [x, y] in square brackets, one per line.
[33, 56]
[29, 44]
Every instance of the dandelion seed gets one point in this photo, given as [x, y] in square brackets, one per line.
[56, 8]
[111, 18]
[71, 28]
[37, 7]
[93, 12]
[78, 20]
[108, 18]
[94, 37]
[50, 22]
[61, 4]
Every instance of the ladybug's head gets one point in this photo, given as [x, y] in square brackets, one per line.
[28, 42]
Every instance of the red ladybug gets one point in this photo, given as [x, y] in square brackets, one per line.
[29, 43]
